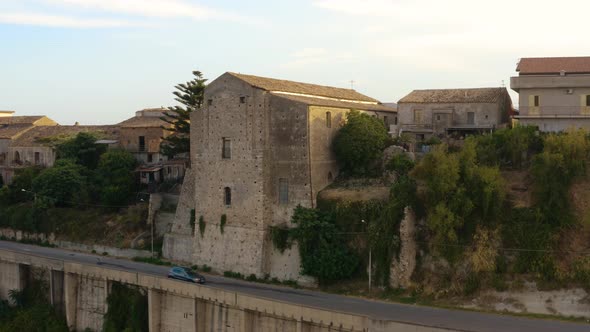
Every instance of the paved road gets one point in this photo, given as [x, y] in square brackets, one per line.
[453, 319]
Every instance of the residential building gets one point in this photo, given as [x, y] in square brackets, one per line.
[36, 146]
[554, 93]
[11, 127]
[259, 148]
[439, 112]
[142, 135]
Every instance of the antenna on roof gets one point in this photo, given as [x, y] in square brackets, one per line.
[352, 84]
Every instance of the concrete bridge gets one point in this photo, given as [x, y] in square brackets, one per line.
[80, 283]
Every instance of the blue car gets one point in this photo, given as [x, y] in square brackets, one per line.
[186, 274]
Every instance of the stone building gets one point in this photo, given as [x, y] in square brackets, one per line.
[141, 135]
[12, 127]
[259, 148]
[36, 146]
[424, 113]
[554, 93]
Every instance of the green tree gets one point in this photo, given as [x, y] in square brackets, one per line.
[62, 185]
[23, 179]
[82, 149]
[115, 175]
[359, 143]
[190, 95]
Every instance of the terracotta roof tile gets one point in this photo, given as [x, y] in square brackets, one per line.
[12, 130]
[272, 84]
[143, 122]
[553, 65]
[442, 96]
[30, 119]
[336, 103]
[42, 135]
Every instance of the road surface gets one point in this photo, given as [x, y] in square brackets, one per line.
[436, 317]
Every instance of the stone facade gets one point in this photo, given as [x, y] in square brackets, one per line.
[424, 113]
[554, 93]
[259, 148]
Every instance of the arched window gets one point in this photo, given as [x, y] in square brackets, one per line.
[16, 157]
[227, 195]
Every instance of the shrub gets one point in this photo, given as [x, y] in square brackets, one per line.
[222, 223]
[280, 237]
[401, 164]
[202, 225]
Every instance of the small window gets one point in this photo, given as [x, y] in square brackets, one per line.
[209, 102]
[141, 143]
[37, 158]
[227, 195]
[486, 116]
[329, 119]
[536, 101]
[395, 120]
[587, 100]
[438, 118]
[242, 100]
[385, 121]
[417, 116]
[150, 158]
[283, 191]
[226, 149]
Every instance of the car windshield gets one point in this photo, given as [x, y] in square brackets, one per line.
[190, 273]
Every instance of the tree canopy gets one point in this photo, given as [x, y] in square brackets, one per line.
[360, 143]
[190, 95]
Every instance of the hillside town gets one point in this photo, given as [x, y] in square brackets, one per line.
[271, 190]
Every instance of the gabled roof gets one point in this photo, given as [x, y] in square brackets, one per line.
[335, 103]
[529, 66]
[143, 122]
[450, 96]
[29, 119]
[49, 135]
[272, 84]
[11, 131]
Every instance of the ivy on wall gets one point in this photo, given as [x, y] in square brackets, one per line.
[222, 223]
[202, 225]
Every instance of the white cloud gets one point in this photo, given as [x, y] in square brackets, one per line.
[153, 8]
[25, 18]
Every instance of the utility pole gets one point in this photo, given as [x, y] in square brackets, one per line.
[368, 244]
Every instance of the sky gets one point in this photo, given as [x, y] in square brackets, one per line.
[99, 61]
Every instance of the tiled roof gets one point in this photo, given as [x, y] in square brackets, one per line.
[444, 96]
[46, 135]
[143, 122]
[272, 84]
[553, 65]
[20, 119]
[10, 131]
[336, 103]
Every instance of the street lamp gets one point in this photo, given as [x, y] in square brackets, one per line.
[370, 265]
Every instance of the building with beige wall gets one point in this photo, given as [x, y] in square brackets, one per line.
[142, 135]
[11, 128]
[554, 93]
[439, 112]
[259, 148]
[36, 146]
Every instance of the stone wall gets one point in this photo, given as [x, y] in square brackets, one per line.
[403, 267]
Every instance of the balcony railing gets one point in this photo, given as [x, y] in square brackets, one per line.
[554, 111]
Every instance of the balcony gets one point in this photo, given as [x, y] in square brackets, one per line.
[416, 127]
[553, 112]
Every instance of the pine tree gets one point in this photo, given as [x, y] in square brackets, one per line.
[190, 95]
